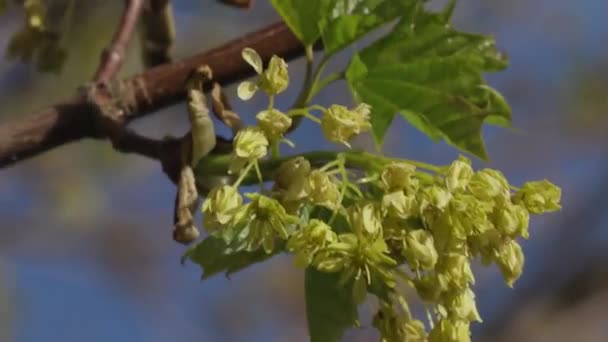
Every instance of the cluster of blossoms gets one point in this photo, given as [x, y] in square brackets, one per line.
[391, 222]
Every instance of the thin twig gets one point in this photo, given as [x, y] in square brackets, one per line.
[113, 56]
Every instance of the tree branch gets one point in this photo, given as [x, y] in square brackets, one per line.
[113, 56]
[138, 96]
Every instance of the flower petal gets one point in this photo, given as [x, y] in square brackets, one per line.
[246, 90]
[252, 57]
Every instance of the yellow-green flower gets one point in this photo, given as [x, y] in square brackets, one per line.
[399, 176]
[510, 259]
[420, 251]
[539, 197]
[308, 240]
[267, 221]
[459, 174]
[273, 80]
[365, 219]
[250, 144]
[220, 206]
[398, 205]
[322, 190]
[273, 123]
[488, 184]
[448, 330]
[340, 125]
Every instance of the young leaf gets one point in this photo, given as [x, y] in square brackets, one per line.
[330, 306]
[350, 20]
[431, 74]
[214, 256]
[302, 17]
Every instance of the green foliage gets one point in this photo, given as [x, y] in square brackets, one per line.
[215, 256]
[330, 307]
[432, 74]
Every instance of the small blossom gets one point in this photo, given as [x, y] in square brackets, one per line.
[397, 205]
[539, 197]
[273, 80]
[294, 169]
[463, 306]
[455, 271]
[321, 190]
[340, 125]
[399, 176]
[394, 328]
[307, 241]
[512, 220]
[488, 184]
[365, 220]
[267, 220]
[448, 330]
[273, 123]
[435, 196]
[420, 251]
[249, 144]
[459, 174]
[510, 260]
[220, 206]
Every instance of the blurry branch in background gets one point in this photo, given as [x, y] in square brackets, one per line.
[238, 3]
[135, 97]
[158, 32]
[113, 56]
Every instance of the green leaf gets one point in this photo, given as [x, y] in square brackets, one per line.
[330, 307]
[302, 17]
[431, 74]
[350, 20]
[214, 256]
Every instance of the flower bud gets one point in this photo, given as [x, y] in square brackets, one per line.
[462, 305]
[275, 78]
[512, 220]
[539, 197]
[510, 260]
[397, 205]
[268, 220]
[292, 170]
[399, 176]
[250, 144]
[273, 123]
[459, 174]
[455, 271]
[365, 220]
[340, 125]
[220, 206]
[420, 251]
[488, 184]
[448, 330]
[307, 241]
[321, 190]
[435, 196]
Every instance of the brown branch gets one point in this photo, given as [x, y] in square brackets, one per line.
[113, 56]
[138, 96]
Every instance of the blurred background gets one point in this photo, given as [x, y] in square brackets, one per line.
[85, 233]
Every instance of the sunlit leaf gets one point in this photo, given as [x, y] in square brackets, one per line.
[350, 20]
[431, 74]
[302, 17]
